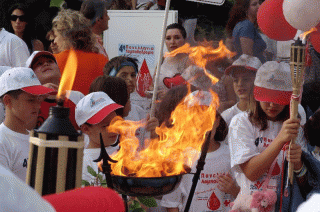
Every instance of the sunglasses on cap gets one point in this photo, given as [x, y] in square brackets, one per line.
[22, 18]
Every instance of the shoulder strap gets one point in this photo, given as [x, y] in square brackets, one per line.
[266, 182]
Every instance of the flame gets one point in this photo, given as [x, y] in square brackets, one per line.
[178, 147]
[305, 34]
[203, 54]
[68, 75]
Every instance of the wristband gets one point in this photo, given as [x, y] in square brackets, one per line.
[302, 172]
[298, 171]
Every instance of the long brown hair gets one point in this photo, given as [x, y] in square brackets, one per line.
[237, 13]
[259, 118]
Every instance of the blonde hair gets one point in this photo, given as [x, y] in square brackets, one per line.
[75, 28]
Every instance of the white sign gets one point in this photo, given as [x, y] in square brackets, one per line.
[138, 51]
[214, 2]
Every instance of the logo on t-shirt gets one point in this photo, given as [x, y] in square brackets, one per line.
[262, 142]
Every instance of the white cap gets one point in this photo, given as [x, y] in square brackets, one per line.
[94, 107]
[37, 54]
[24, 79]
[3, 69]
[273, 83]
[244, 61]
[201, 98]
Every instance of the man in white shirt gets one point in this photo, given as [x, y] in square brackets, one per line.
[13, 50]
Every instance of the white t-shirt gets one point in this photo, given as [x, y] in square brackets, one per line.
[227, 115]
[15, 195]
[207, 196]
[14, 151]
[247, 141]
[89, 155]
[136, 114]
[13, 50]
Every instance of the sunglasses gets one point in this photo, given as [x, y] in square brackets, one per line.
[22, 18]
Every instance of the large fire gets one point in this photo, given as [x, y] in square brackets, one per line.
[178, 147]
[68, 75]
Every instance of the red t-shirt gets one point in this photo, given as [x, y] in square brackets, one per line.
[71, 103]
[90, 66]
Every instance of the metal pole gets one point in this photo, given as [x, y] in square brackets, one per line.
[200, 165]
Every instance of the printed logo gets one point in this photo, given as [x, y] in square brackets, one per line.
[214, 202]
[94, 103]
[258, 184]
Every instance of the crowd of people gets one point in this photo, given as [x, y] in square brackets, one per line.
[249, 147]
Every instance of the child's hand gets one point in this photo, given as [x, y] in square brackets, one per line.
[151, 125]
[295, 156]
[289, 130]
[228, 185]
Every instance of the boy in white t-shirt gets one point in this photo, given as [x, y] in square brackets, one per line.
[93, 115]
[215, 188]
[22, 94]
[243, 72]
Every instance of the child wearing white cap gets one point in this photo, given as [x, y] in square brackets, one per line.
[258, 139]
[45, 67]
[216, 187]
[243, 72]
[22, 94]
[93, 115]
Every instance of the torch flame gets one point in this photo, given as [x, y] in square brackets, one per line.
[178, 147]
[305, 34]
[68, 75]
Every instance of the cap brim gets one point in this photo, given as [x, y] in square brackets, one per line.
[233, 67]
[39, 54]
[39, 90]
[104, 112]
[274, 96]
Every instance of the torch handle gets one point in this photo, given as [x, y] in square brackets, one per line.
[295, 100]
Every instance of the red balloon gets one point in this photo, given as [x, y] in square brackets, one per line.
[315, 40]
[272, 21]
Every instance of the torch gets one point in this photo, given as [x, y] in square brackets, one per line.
[56, 148]
[56, 154]
[297, 67]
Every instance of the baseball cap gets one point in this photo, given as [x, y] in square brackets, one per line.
[94, 107]
[35, 55]
[244, 62]
[273, 83]
[201, 98]
[24, 79]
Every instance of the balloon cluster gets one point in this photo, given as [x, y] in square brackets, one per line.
[281, 19]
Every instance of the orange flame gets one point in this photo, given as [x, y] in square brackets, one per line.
[203, 54]
[178, 147]
[68, 75]
[305, 34]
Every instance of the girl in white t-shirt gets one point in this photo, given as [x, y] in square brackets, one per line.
[259, 137]
[216, 187]
[243, 72]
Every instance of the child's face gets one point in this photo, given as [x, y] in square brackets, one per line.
[108, 138]
[26, 108]
[272, 110]
[243, 82]
[46, 69]
[129, 75]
